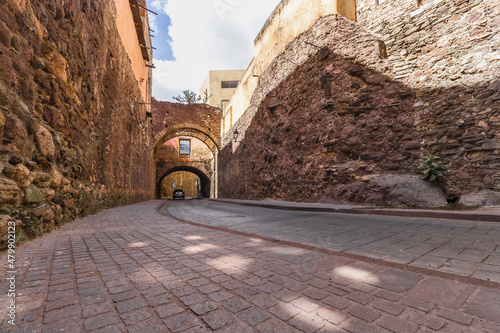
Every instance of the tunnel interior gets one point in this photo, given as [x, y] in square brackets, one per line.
[204, 185]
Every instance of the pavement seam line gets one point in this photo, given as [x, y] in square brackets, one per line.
[404, 267]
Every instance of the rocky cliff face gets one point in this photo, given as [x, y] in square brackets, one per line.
[72, 139]
[344, 115]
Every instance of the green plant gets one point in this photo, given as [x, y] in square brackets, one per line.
[430, 169]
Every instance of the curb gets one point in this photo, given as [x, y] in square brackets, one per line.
[462, 216]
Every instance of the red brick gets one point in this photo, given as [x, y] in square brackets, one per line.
[99, 321]
[398, 325]
[331, 315]
[389, 307]
[306, 304]
[218, 319]
[169, 310]
[253, 316]
[337, 302]
[362, 312]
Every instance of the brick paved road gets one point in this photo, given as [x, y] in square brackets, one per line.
[457, 247]
[133, 270]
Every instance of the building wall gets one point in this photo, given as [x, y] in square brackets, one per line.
[212, 85]
[128, 33]
[71, 141]
[289, 19]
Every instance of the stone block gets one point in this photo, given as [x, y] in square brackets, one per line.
[39, 211]
[18, 172]
[33, 195]
[480, 198]
[45, 142]
[389, 190]
[9, 191]
[56, 179]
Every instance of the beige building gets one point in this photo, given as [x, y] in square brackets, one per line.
[288, 20]
[220, 86]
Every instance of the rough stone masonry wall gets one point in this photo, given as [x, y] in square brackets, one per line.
[342, 116]
[72, 140]
[449, 53]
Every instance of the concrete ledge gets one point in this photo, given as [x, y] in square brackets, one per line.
[492, 215]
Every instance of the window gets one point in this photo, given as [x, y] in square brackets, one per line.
[184, 147]
[229, 84]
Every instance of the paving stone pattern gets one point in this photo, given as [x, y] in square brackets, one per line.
[131, 269]
[458, 247]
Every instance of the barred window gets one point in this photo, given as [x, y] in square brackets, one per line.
[184, 147]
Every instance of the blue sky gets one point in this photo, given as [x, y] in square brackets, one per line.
[193, 37]
[161, 40]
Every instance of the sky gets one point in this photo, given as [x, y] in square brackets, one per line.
[195, 36]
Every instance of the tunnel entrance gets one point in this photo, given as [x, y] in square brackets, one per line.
[194, 183]
[187, 149]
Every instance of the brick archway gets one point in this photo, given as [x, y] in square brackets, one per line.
[199, 121]
[208, 177]
[186, 129]
[206, 183]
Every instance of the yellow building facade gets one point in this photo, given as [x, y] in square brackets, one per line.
[288, 20]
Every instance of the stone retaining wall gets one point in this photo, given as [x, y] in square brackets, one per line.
[350, 112]
[73, 141]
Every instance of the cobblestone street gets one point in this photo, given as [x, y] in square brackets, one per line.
[133, 269]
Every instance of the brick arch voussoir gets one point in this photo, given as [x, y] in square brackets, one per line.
[166, 169]
[187, 129]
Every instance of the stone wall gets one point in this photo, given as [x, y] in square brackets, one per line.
[73, 141]
[438, 44]
[348, 113]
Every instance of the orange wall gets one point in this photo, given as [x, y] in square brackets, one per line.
[126, 28]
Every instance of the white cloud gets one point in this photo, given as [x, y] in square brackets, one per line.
[207, 35]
